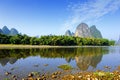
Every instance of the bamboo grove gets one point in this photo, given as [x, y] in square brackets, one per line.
[54, 40]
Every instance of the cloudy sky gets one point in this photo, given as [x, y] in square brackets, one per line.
[44, 17]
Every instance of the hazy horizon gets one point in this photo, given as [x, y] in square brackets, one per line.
[44, 17]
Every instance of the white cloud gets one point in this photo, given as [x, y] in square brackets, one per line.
[90, 11]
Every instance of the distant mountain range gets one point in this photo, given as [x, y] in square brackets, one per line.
[11, 32]
[83, 30]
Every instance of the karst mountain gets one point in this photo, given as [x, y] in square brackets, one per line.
[7, 31]
[83, 30]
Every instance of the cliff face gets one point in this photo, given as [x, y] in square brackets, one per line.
[95, 32]
[83, 30]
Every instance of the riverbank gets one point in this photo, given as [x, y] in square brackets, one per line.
[24, 46]
[67, 75]
[9, 46]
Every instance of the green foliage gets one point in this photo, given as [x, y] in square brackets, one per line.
[4, 39]
[65, 67]
[15, 40]
[112, 42]
[54, 40]
[34, 41]
[6, 79]
[104, 75]
[25, 39]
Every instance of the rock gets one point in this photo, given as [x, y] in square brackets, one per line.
[88, 78]
[55, 73]
[7, 73]
[35, 73]
[30, 75]
[101, 74]
[43, 77]
[107, 67]
[15, 79]
[95, 32]
[96, 79]
[13, 76]
[36, 65]
[12, 69]
[79, 76]
[68, 77]
[45, 64]
[54, 76]
[119, 76]
[30, 78]
[69, 33]
[83, 30]
[59, 72]
[38, 79]
[88, 75]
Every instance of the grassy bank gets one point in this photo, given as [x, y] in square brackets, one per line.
[3, 46]
[23, 46]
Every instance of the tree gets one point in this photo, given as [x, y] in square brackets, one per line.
[112, 42]
[15, 40]
[25, 39]
[34, 41]
[4, 39]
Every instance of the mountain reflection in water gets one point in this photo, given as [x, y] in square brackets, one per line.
[84, 56]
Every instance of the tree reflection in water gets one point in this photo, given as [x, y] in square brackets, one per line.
[84, 56]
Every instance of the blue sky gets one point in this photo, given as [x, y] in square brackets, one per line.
[44, 17]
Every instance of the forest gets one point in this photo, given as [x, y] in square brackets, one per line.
[54, 40]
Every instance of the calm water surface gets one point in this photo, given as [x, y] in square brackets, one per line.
[23, 61]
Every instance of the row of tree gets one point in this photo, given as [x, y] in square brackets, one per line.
[54, 40]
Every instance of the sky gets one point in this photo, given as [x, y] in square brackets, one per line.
[44, 17]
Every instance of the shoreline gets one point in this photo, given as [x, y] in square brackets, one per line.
[67, 75]
[2, 46]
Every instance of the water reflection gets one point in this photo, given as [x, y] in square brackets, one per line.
[4, 61]
[84, 56]
[89, 57]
